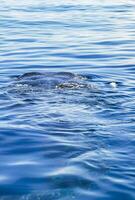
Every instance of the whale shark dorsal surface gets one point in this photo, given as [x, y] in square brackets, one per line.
[37, 81]
[47, 74]
[29, 74]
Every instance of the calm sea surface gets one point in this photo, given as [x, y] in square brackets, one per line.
[64, 144]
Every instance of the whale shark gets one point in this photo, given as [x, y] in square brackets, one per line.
[39, 82]
[53, 80]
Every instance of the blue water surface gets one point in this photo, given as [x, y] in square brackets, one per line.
[64, 144]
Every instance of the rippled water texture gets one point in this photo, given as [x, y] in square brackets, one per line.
[77, 142]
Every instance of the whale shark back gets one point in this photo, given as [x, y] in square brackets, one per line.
[51, 80]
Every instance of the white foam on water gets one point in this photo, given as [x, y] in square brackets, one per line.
[113, 84]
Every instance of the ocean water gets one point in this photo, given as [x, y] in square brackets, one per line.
[67, 143]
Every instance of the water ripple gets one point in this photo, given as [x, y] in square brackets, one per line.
[70, 143]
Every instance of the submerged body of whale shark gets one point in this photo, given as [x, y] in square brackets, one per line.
[41, 82]
[52, 80]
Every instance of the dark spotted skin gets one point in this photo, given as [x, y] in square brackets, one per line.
[52, 80]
